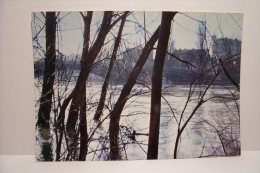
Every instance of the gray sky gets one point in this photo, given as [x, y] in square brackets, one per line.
[184, 28]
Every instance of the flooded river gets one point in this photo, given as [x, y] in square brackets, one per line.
[212, 131]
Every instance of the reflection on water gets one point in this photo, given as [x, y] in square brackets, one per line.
[213, 131]
[45, 141]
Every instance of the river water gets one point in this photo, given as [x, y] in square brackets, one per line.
[212, 131]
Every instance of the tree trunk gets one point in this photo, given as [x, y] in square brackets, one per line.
[157, 84]
[118, 108]
[201, 101]
[74, 107]
[47, 89]
[109, 71]
[83, 128]
[88, 58]
[49, 72]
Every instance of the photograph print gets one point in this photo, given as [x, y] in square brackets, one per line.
[136, 85]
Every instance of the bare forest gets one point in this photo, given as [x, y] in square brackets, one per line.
[126, 85]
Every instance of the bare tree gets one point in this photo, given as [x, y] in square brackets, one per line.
[49, 72]
[109, 71]
[79, 104]
[45, 107]
[199, 104]
[157, 84]
[89, 56]
[118, 108]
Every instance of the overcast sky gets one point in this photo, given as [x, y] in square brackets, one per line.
[184, 28]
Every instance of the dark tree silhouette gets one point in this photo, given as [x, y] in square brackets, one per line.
[157, 84]
[109, 71]
[49, 72]
[75, 107]
[77, 96]
[77, 122]
[83, 128]
[118, 108]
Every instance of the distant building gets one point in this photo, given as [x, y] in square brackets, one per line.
[225, 48]
[185, 66]
[229, 50]
[125, 65]
[198, 61]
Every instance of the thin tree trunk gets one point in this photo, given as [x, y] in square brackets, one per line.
[164, 35]
[109, 71]
[79, 103]
[118, 108]
[88, 58]
[59, 142]
[83, 128]
[49, 72]
[201, 101]
[74, 107]
[47, 89]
